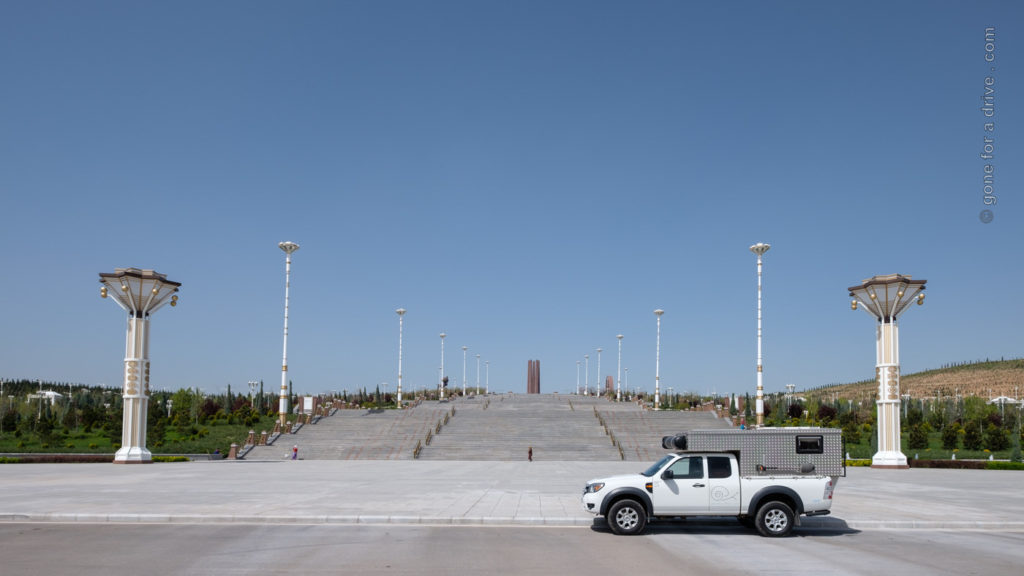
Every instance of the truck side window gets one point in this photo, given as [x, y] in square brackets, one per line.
[691, 467]
[719, 467]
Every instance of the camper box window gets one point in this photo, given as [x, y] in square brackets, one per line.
[810, 445]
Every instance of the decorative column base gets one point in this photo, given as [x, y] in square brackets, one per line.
[891, 460]
[133, 455]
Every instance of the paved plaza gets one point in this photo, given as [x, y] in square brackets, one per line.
[542, 493]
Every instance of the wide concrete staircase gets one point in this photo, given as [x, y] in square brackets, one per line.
[358, 435]
[639, 432]
[497, 427]
[506, 427]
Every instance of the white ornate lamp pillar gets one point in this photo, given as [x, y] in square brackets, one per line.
[886, 298]
[759, 249]
[140, 293]
[288, 248]
[657, 363]
[401, 313]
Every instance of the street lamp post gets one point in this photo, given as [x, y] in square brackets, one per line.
[441, 381]
[626, 371]
[586, 375]
[477, 373]
[464, 348]
[401, 313]
[886, 298]
[599, 372]
[618, 373]
[657, 362]
[487, 383]
[252, 393]
[140, 293]
[288, 248]
[759, 249]
[577, 377]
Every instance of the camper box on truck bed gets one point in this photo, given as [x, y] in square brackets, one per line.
[770, 451]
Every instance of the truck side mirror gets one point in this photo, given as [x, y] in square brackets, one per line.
[668, 475]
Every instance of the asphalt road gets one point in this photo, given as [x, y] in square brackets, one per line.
[474, 518]
[686, 549]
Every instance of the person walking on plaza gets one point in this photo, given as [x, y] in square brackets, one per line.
[529, 454]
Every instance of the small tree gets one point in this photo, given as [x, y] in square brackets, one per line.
[972, 436]
[914, 417]
[851, 431]
[918, 438]
[937, 418]
[950, 437]
[1016, 455]
[826, 414]
[996, 438]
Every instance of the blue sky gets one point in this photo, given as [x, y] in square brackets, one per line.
[533, 178]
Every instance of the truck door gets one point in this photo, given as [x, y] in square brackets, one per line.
[683, 488]
[723, 485]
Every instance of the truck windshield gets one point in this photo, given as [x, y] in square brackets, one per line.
[658, 465]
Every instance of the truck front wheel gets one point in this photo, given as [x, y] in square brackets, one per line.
[774, 519]
[627, 517]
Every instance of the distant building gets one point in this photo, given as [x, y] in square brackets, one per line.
[47, 395]
[533, 376]
[609, 384]
[1003, 400]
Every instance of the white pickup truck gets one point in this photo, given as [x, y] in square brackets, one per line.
[766, 478]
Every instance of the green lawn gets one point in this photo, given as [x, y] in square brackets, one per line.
[205, 439]
[935, 451]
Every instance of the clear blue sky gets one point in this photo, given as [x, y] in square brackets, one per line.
[531, 177]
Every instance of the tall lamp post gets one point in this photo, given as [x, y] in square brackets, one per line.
[618, 373]
[487, 383]
[759, 249]
[477, 373]
[441, 381]
[599, 383]
[886, 298]
[464, 348]
[657, 362]
[577, 377]
[288, 248]
[586, 375]
[401, 313]
[140, 293]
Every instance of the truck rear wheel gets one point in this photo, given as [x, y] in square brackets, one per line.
[774, 519]
[627, 517]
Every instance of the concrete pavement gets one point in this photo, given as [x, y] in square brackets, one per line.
[542, 493]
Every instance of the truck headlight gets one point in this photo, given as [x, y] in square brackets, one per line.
[595, 487]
